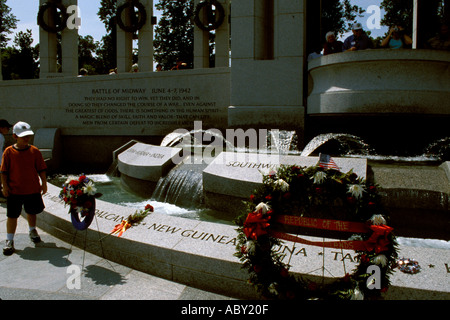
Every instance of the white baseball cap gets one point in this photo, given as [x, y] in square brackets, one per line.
[22, 129]
[357, 26]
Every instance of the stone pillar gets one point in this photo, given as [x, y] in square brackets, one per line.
[267, 80]
[223, 38]
[222, 41]
[47, 49]
[69, 46]
[146, 40]
[124, 44]
[201, 44]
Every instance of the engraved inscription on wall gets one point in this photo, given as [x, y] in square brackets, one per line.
[128, 107]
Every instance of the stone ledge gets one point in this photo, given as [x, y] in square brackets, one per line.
[200, 254]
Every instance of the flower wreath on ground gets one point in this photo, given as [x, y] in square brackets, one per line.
[317, 194]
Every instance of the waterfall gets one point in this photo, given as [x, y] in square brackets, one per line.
[182, 187]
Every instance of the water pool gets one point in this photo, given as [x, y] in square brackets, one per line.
[114, 192]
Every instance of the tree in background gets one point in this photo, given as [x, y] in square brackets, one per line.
[174, 34]
[338, 16]
[87, 48]
[21, 60]
[8, 22]
[106, 50]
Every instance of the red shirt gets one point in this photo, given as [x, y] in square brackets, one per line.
[22, 168]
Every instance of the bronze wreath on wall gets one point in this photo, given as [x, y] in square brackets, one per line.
[135, 25]
[54, 7]
[214, 19]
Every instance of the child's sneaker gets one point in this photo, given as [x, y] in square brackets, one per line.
[34, 236]
[8, 249]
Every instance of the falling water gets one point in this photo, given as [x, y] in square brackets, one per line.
[343, 144]
[181, 187]
[283, 141]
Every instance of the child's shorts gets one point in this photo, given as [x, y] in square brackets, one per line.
[32, 203]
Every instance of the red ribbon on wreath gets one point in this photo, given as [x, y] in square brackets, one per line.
[255, 225]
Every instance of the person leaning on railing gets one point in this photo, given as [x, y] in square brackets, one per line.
[441, 41]
[358, 40]
[397, 39]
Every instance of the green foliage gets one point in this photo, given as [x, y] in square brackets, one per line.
[338, 16]
[21, 60]
[8, 22]
[174, 34]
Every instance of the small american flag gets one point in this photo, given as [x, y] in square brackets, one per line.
[325, 161]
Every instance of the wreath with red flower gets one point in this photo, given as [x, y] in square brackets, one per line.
[292, 195]
[80, 194]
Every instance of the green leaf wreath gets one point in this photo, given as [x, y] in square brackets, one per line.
[321, 193]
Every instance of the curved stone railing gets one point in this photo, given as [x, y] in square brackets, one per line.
[380, 82]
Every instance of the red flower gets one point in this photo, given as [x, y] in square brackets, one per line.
[74, 183]
[252, 198]
[244, 249]
[351, 200]
[364, 258]
[88, 205]
[81, 178]
[79, 192]
[287, 195]
[257, 268]
[268, 197]
[149, 207]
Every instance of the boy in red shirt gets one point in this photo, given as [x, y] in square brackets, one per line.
[22, 166]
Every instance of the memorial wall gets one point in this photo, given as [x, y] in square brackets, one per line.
[98, 114]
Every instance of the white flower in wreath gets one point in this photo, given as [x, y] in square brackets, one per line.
[262, 208]
[89, 189]
[357, 295]
[281, 185]
[380, 260]
[378, 219]
[319, 177]
[251, 247]
[356, 190]
[273, 288]
[70, 178]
